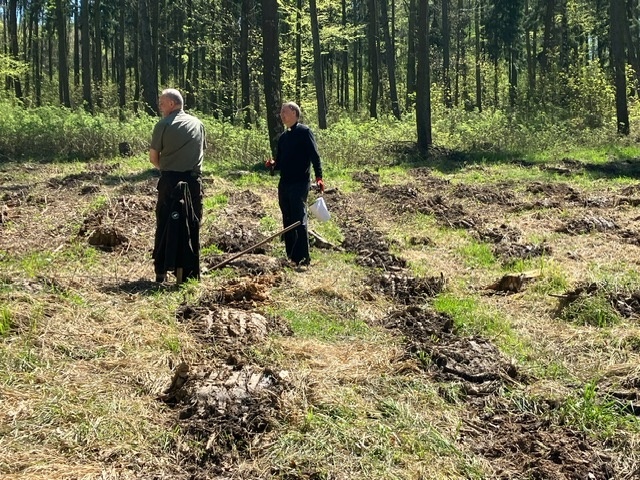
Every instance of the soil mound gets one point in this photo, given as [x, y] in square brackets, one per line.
[407, 289]
[521, 445]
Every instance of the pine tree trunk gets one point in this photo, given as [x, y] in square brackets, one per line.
[13, 45]
[122, 72]
[299, 52]
[446, 54]
[76, 44]
[478, 53]
[85, 46]
[617, 24]
[423, 79]
[63, 56]
[374, 71]
[317, 67]
[391, 60]
[271, 59]
[245, 79]
[97, 59]
[148, 78]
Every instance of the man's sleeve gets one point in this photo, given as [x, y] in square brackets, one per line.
[314, 155]
[156, 137]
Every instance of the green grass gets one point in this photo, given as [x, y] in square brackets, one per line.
[595, 310]
[383, 430]
[6, 320]
[477, 255]
[471, 317]
[598, 415]
[322, 326]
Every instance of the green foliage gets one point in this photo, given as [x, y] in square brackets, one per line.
[590, 96]
[56, 132]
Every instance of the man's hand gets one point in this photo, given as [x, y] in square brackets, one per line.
[270, 163]
[320, 185]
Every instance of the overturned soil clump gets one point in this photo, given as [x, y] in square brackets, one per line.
[222, 413]
[226, 404]
[473, 363]
[239, 225]
[522, 445]
[407, 289]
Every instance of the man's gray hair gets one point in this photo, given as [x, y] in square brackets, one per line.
[293, 106]
[174, 95]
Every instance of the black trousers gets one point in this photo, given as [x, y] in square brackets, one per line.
[168, 195]
[292, 199]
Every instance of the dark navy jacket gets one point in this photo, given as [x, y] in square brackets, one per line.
[297, 151]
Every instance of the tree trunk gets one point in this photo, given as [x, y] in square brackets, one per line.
[478, 53]
[374, 71]
[76, 44]
[97, 49]
[299, 52]
[85, 46]
[245, 79]
[531, 75]
[148, 79]
[271, 59]
[446, 54]
[63, 56]
[226, 65]
[617, 25]
[317, 66]
[122, 72]
[391, 60]
[423, 79]
[13, 45]
[549, 11]
[345, 61]
[37, 60]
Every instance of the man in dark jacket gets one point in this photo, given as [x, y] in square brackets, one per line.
[177, 150]
[297, 152]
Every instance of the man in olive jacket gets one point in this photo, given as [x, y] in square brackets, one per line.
[177, 150]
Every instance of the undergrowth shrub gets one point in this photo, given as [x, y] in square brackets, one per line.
[57, 132]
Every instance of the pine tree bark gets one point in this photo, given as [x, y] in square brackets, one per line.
[391, 59]
[271, 59]
[122, 72]
[97, 50]
[374, 71]
[423, 79]
[85, 47]
[76, 44]
[317, 66]
[13, 45]
[446, 54]
[477, 13]
[617, 24]
[63, 55]
[148, 78]
[245, 79]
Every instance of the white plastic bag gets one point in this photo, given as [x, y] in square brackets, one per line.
[319, 210]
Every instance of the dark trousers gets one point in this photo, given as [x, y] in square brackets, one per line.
[168, 195]
[292, 199]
